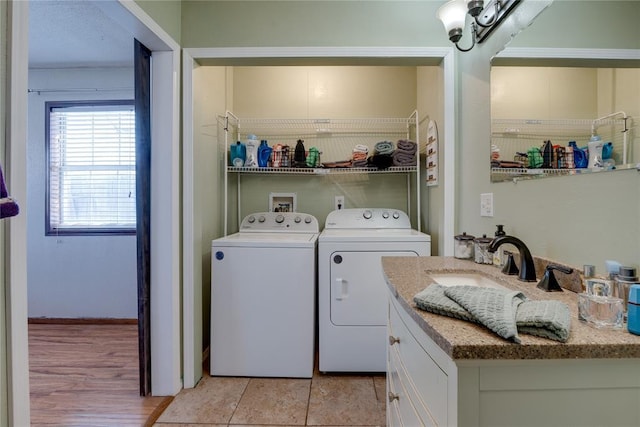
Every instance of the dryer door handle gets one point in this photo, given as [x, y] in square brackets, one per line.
[340, 289]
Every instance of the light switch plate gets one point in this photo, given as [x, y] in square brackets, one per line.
[486, 204]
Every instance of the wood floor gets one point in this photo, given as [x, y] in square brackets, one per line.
[87, 375]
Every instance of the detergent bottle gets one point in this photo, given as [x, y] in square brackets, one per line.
[252, 152]
[238, 154]
[264, 153]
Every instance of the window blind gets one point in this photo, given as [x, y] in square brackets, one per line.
[91, 161]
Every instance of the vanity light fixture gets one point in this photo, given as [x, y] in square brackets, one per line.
[453, 15]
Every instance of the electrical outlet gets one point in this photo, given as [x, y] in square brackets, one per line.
[338, 203]
[486, 204]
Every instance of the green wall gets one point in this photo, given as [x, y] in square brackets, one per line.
[578, 219]
[166, 13]
[553, 216]
[585, 24]
[311, 23]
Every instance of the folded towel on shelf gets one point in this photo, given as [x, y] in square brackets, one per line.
[384, 147]
[338, 164]
[359, 156]
[381, 161]
[507, 164]
[361, 148]
[362, 163]
[402, 158]
[407, 146]
[503, 311]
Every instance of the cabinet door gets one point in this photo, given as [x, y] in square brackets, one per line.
[422, 377]
[399, 404]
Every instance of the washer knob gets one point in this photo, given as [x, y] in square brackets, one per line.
[251, 219]
[367, 214]
[385, 215]
[307, 220]
[297, 219]
[261, 219]
[396, 215]
[280, 219]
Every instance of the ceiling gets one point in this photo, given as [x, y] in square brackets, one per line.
[75, 34]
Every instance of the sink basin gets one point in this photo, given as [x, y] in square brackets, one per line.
[465, 279]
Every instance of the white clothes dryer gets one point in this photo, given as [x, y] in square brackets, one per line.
[352, 293]
[263, 288]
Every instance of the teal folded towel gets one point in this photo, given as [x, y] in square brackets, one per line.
[503, 311]
[384, 147]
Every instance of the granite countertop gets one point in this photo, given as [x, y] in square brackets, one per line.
[406, 276]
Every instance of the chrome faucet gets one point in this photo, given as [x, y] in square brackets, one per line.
[527, 268]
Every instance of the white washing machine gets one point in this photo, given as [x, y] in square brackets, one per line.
[263, 287]
[352, 293]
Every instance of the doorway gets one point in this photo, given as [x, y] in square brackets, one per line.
[194, 233]
[166, 376]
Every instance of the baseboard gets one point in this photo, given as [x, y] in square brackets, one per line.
[81, 321]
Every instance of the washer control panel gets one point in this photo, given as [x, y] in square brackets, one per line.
[291, 222]
[367, 218]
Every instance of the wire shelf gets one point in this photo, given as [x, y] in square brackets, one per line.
[285, 127]
[322, 171]
[516, 136]
[335, 139]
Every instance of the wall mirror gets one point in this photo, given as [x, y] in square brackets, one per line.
[545, 117]
[549, 104]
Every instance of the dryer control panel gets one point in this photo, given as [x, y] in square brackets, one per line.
[367, 218]
[290, 222]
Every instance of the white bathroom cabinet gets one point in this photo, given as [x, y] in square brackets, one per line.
[426, 387]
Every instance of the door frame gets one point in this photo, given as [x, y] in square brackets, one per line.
[192, 250]
[165, 198]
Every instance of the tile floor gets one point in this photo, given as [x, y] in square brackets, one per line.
[324, 400]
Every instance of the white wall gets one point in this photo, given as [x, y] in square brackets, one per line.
[74, 276]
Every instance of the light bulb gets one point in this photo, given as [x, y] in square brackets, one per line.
[453, 15]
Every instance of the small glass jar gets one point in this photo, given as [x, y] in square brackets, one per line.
[601, 311]
[480, 249]
[463, 246]
[622, 284]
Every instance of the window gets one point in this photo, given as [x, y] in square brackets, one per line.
[91, 179]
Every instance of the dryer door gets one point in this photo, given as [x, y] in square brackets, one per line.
[358, 290]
